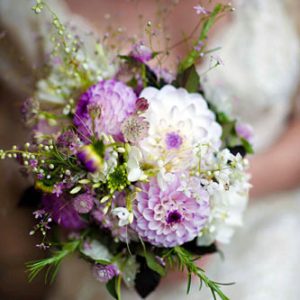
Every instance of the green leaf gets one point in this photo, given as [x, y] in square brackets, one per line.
[189, 79]
[153, 264]
[248, 147]
[111, 286]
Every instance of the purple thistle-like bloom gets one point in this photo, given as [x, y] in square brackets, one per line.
[141, 52]
[168, 218]
[135, 128]
[116, 101]
[105, 273]
[62, 211]
[83, 203]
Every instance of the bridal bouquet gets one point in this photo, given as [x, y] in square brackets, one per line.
[136, 171]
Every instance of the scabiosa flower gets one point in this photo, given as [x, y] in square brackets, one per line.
[135, 128]
[92, 161]
[141, 52]
[105, 273]
[62, 211]
[83, 203]
[116, 102]
[178, 122]
[168, 218]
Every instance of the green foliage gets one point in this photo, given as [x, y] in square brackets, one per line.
[209, 21]
[114, 287]
[52, 263]
[153, 263]
[188, 79]
[184, 260]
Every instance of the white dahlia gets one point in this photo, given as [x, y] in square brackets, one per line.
[178, 122]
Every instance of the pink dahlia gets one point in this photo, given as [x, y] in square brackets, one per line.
[103, 108]
[168, 217]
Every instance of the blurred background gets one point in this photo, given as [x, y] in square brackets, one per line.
[261, 77]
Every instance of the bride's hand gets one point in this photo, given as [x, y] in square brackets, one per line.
[278, 168]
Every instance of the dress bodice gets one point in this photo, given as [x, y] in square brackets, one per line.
[260, 75]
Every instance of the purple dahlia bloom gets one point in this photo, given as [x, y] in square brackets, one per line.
[62, 211]
[105, 273]
[168, 218]
[115, 100]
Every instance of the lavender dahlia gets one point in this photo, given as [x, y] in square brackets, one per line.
[115, 100]
[168, 218]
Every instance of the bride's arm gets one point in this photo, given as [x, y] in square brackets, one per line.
[278, 168]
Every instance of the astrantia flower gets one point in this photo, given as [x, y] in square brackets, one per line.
[62, 211]
[83, 203]
[168, 218]
[105, 273]
[179, 121]
[135, 129]
[116, 102]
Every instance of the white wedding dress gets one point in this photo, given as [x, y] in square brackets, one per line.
[261, 72]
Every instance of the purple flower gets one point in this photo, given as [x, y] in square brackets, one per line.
[168, 217]
[141, 52]
[245, 131]
[135, 128]
[200, 10]
[58, 189]
[105, 273]
[62, 211]
[39, 213]
[90, 159]
[173, 140]
[83, 203]
[68, 140]
[115, 101]
[164, 74]
[199, 46]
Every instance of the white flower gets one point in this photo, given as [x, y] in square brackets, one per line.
[227, 208]
[125, 217]
[179, 122]
[135, 173]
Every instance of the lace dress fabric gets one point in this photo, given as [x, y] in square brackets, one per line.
[260, 50]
